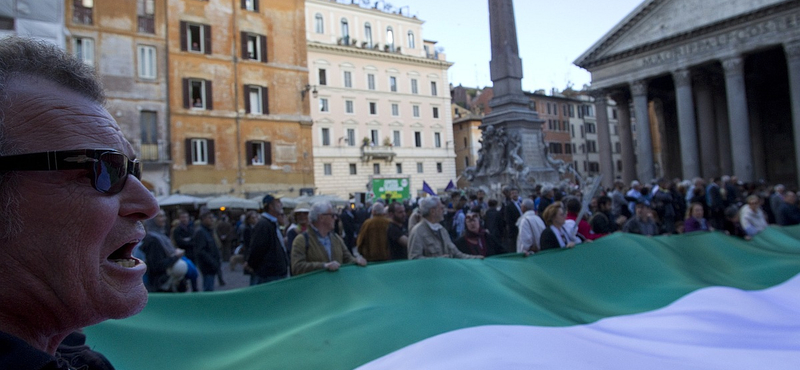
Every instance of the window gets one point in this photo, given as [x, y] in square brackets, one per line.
[348, 79]
[345, 32]
[373, 108]
[614, 113]
[376, 168]
[149, 125]
[199, 151]
[323, 76]
[319, 24]
[575, 150]
[571, 110]
[351, 137]
[348, 106]
[390, 38]
[145, 10]
[374, 136]
[197, 94]
[147, 61]
[594, 167]
[251, 5]
[591, 146]
[572, 128]
[323, 105]
[195, 37]
[399, 168]
[439, 167]
[555, 148]
[393, 83]
[465, 142]
[396, 137]
[435, 112]
[254, 47]
[590, 128]
[419, 167]
[433, 88]
[326, 137]
[417, 139]
[371, 81]
[415, 109]
[368, 34]
[395, 109]
[259, 153]
[414, 86]
[84, 50]
[411, 42]
[6, 23]
[617, 148]
[564, 109]
[256, 99]
[567, 148]
[353, 169]
[619, 166]
[82, 11]
[328, 169]
[437, 139]
[466, 161]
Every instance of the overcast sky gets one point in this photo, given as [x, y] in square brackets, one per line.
[551, 35]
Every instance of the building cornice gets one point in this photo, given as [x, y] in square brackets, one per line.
[588, 61]
[377, 55]
[370, 12]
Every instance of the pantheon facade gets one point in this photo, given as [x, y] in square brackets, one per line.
[714, 86]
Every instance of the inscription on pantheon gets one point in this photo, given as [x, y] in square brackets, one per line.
[725, 40]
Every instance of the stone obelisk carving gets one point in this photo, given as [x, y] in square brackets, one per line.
[513, 150]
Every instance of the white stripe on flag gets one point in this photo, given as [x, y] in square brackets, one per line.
[712, 328]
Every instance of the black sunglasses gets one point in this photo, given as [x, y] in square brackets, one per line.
[108, 168]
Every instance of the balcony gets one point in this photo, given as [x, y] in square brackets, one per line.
[385, 152]
[152, 152]
[147, 24]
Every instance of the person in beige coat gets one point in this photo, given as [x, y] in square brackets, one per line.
[320, 248]
[429, 239]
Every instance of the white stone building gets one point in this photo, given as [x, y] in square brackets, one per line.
[379, 99]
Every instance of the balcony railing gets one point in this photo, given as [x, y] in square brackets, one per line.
[147, 24]
[152, 152]
[82, 15]
[377, 152]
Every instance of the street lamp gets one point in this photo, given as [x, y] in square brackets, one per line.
[313, 89]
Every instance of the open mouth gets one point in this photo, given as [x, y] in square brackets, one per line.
[123, 257]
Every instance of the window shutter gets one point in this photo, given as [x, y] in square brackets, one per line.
[244, 45]
[263, 48]
[188, 150]
[265, 100]
[207, 34]
[247, 108]
[209, 99]
[267, 153]
[244, 4]
[211, 151]
[184, 41]
[255, 5]
[248, 149]
[186, 98]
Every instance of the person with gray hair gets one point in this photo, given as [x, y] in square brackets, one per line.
[320, 248]
[373, 242]
[72, 207]
[429, 239]
[530, 228]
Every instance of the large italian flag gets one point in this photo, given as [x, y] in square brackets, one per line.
[698, 301]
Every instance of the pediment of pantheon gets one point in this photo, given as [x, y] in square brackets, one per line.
[657, 20]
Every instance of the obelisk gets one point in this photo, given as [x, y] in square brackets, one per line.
[512, 126]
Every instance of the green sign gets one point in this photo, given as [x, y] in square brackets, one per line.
[395, 189]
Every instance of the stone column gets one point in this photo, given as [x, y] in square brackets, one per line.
[723, 129]
[644, 150]
[792, 50]
[742, 153]
[707, 127]
[687, 126]
[625, 135]
[603, 138]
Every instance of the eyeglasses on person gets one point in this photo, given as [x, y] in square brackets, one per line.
[108, 168]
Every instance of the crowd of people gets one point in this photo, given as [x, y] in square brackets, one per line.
[271, 246]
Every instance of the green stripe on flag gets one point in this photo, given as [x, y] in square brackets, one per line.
[345, 319]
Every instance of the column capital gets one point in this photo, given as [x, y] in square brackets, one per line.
[733, 65]
[682, 77]
[639, 87]
[792, 49]
[599, 95]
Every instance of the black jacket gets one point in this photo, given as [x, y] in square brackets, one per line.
[157, 262]
[206, 251]
[267, 258]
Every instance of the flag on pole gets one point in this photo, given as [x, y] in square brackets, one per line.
[450, 186]
[695, 301]
[426, 188]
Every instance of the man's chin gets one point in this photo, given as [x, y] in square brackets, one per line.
[127, 304]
